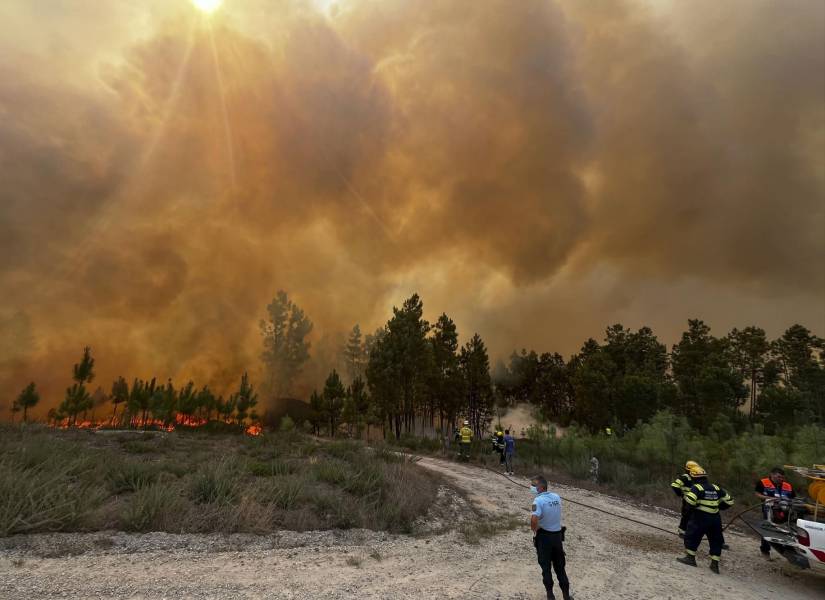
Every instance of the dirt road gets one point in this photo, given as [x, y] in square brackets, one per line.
[607, 559]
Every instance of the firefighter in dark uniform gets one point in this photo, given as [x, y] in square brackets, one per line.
[545, 522]
[772, 490]
[498, 446]
[706, 499]
[680, 486]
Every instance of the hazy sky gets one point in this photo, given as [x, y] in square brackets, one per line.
[536, 169]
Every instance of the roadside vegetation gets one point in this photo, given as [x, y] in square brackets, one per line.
[56, 480]
[643, 461]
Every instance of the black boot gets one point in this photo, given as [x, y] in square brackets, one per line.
[688, 559]
[714, 566]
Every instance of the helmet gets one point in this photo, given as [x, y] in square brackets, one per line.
[466, 422]
[691, 465]
[499, 433]
[697, 471]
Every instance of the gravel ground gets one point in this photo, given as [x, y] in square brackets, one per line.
[607, 558]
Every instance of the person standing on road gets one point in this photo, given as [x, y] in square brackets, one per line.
[594, 469]
[680, 486]
[498, 446]
[548, 536]
[705, 500]
[772, 490]
[509, 451]
[466, 439]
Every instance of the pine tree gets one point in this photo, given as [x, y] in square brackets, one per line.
[245, 399]
[119, 395]
[355, 354]
[286, 348]
[333, 395]
[475, 367]
[77, 399]
[27, 399]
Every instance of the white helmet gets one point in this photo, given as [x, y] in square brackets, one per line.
[466, 422]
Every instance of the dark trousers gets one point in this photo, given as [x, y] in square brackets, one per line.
[703, 524]
[550, 551]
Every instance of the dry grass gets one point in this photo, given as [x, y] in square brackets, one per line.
[199, 482]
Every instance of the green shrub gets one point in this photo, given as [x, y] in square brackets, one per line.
[282, 492]
[348, 450]
[217, 483]
[332, 471]
[272, 468]
[287, 424]
[129, 476]
[153, 507]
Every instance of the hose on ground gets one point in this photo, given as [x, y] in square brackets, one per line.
[618, 516]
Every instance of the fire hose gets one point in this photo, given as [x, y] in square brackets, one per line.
[618, 516]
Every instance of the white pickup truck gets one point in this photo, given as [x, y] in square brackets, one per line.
[801, 540]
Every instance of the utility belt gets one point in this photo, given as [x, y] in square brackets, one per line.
[544, 532]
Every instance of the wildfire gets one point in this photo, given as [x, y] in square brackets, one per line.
[189, 420]
[181, 421]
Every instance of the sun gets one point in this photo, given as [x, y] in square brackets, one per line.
[207, 6]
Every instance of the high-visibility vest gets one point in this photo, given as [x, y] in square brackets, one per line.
[708, 497]
[466, 435]
[682, 483]
[770, 489]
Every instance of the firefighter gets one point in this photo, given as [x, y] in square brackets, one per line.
[771, 490]
[466, 438]
[706, 499]
[498, 446]
[679, 486]
[548, 536]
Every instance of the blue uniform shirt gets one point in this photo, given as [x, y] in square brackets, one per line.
[509, 444]
[547, 507]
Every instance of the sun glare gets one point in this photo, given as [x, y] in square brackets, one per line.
[207, 6]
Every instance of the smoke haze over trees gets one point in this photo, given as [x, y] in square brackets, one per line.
[535, 169]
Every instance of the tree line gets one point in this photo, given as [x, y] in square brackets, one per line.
[630, 376]
[410, 371]
[145, 402]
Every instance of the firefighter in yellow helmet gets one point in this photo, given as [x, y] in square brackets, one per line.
[706, 499]
[681, 485]
[466, 439]
[498, 447]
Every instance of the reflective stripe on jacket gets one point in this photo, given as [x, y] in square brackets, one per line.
[682, 484]
[708, 497]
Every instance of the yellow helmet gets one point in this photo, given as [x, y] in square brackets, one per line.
[499, 433]
[696, 471]
[691, 465]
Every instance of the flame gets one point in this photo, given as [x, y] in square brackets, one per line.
[181, 420]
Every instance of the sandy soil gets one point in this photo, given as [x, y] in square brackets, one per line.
[607, 558]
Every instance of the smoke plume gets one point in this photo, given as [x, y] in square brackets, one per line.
[536, 169]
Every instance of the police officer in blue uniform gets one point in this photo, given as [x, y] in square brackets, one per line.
[545, 521]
